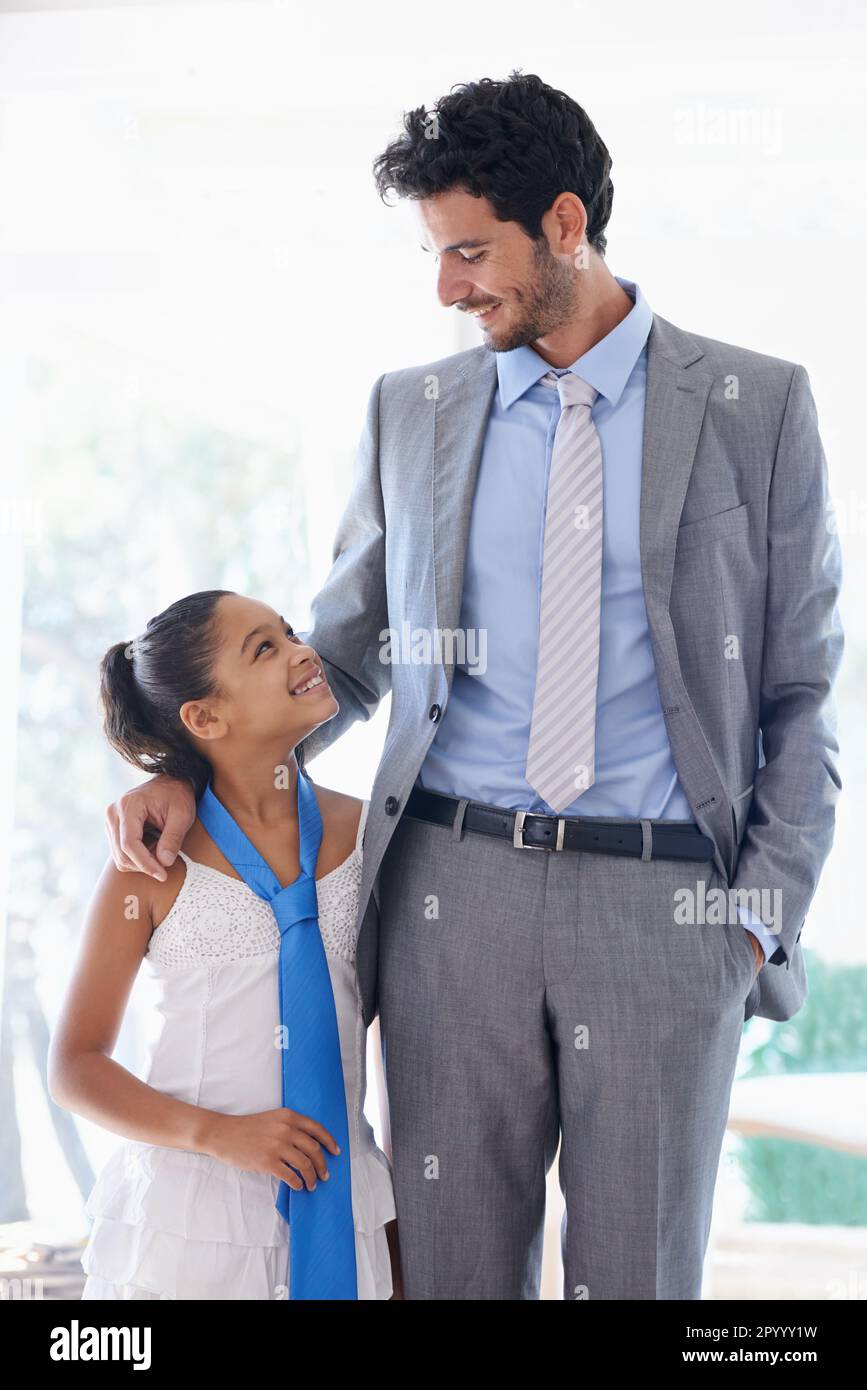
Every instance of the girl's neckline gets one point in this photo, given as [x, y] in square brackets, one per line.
[238, 879]
[240, 882]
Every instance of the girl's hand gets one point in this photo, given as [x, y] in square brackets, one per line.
[268, 1141]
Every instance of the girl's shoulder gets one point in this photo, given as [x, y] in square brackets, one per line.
[126, 896]
[198, 846]
[163, 895]
[338, 806]
[341, 822]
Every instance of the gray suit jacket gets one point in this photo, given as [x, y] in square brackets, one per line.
[734, 542]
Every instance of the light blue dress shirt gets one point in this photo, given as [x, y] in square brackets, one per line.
[480, 747]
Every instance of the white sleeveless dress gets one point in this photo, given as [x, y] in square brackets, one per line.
[168, 1223]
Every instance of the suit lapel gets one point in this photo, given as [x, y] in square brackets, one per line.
[673, 412]
[461, 410]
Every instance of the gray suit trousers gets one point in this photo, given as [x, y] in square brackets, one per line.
[526, 995]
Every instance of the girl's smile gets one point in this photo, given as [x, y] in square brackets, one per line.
[317, 684]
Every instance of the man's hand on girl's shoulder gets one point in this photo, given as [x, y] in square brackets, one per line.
[147, 825]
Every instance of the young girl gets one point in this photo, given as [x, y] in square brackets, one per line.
[220, 690]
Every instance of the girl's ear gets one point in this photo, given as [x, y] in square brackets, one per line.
[202, 721]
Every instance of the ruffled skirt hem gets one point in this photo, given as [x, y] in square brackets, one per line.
[141, 1262]
[159, 1232]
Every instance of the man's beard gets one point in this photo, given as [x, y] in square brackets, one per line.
[549, 302]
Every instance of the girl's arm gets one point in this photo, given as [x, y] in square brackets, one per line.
[81, 1074]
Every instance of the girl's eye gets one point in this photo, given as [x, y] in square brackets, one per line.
[268, 643]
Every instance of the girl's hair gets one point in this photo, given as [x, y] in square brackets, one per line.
[143, 684]
[518, 143]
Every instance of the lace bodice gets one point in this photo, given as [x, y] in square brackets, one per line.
[216, 918]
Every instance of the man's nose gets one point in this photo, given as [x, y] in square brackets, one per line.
[452, 287]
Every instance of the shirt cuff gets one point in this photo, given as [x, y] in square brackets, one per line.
[750, 922]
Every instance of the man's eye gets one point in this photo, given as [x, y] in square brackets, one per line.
[471, 260]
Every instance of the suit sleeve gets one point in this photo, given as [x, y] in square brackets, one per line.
[351, 608]
[791, 824]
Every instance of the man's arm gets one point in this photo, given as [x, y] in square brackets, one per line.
[791, 823]
[351, 608]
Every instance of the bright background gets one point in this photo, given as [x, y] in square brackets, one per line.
[198, 287]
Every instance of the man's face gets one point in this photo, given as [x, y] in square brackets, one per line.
[484, 262]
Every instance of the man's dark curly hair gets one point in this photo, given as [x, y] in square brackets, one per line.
[518, 143]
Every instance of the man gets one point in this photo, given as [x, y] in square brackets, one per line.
[623, 527]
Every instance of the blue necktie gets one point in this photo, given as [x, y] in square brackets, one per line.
[321, 1227]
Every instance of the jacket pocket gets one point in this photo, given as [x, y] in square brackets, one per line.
[708, 529]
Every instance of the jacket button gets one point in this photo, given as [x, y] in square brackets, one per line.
[390, 805]
[434, 713]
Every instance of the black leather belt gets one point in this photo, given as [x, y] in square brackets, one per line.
[532, 830]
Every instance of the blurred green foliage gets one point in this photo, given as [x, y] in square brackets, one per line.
[810, 1183]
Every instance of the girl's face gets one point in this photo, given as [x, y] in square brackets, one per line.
[261, 669]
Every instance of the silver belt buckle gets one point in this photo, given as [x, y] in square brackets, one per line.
[518, 833]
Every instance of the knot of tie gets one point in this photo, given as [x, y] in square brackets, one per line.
[573, 389]
[298, 902]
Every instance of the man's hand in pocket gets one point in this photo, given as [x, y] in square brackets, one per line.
[757, 949]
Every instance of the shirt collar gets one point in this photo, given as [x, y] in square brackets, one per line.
[607, 366]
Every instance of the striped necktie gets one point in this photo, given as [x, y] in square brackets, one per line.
[562, 745]
[321, 1226]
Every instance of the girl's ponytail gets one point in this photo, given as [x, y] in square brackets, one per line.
[143, 684]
